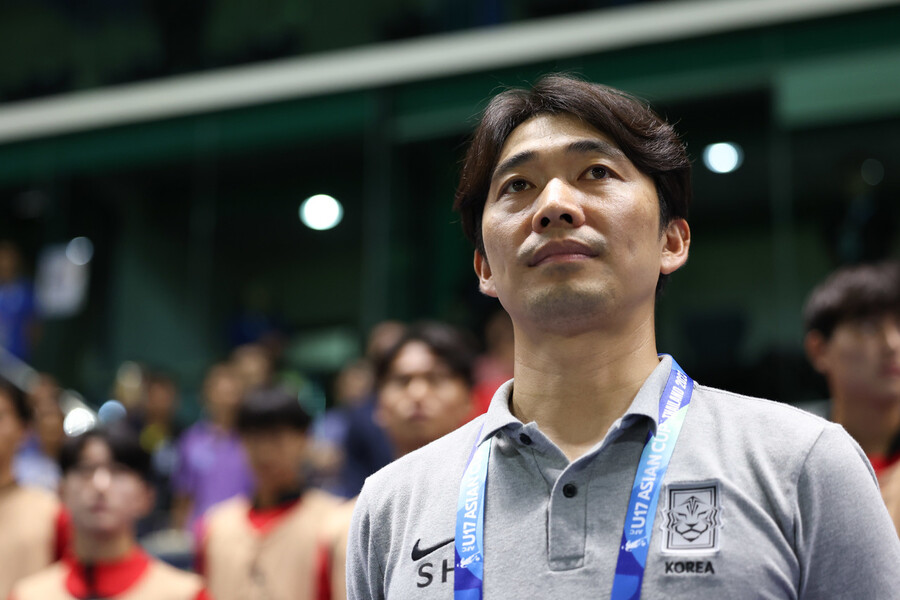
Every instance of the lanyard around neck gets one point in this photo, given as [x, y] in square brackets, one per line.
[468, 574]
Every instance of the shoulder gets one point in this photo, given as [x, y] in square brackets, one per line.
[320, 500]
[762, 438]
[46, 583]
[749, 417]
[172, 582]
[230, 508]
[427, 469]
[426, 480]
[37, 499]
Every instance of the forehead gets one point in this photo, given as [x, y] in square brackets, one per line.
[95, 451]
[415, 356]
[549, 132]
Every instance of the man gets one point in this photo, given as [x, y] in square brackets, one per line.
[106, 489]
[267, 548]
[580, 481]
[424, 391]
[853, 339]
[37, 461]
[33, 527]
[211, 465]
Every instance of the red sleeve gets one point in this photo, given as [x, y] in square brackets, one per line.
[200, 546]
[323, 573]
[63, 538]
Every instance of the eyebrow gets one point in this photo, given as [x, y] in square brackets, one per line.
[589, 146]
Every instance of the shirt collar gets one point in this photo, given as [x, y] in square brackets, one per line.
[644, 404]
[105, 579]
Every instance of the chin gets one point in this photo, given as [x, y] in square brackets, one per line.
[567, 306]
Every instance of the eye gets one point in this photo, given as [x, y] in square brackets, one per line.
[515, 186]
[598, 172]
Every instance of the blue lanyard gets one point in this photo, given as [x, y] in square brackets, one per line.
[468, 574]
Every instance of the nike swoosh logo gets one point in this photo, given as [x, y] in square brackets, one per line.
[418, 553]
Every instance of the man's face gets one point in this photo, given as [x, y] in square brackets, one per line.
[861, 360]
[421, 399]
[571, 227]
[224, 392]
[12, 430]
[105, 498]
[276, 457]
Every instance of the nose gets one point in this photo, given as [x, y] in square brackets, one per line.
[418, 388]
[102, 478]
[558, 206]
[891, 331]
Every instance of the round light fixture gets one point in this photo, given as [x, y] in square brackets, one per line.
[321, 212]
[80, 251]
[723, 157]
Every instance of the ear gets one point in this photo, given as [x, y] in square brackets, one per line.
[676, 241]
[816, 347]
[485, 276]
[147, 501]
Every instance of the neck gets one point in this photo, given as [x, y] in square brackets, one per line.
[873, 425]
[267, 496]
[575, 387]
[93, 549]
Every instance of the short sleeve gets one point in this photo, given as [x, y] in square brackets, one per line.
[846, 542]
[365, 574]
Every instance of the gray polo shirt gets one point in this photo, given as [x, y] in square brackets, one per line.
[761, 500]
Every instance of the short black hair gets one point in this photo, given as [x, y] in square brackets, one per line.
[18, 400]
[455, 348]
[271, 408]
[122, 442]
[850, 293]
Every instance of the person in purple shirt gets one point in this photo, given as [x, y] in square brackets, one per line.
[211, 464]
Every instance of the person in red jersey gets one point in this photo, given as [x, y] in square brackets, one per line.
[105, 487]
[33, 524]
[266, 548]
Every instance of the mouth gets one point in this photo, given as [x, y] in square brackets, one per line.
[561, 251]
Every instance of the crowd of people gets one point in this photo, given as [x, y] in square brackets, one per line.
[255, 496]
[278, 504]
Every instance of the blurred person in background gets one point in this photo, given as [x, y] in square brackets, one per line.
[424, 390]
[266, 547]
[106, 489]
[852, 322]
[349, 435]
[34, 529]
[19, 326]
[254, 365]
[37, 462]
[494, 366]
[211, 464]
[155, 421]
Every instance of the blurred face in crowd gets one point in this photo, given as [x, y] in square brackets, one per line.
[105, 498]
[421, 398]
[253, 365]
[12, 429]
[276, 456]
[162, 398]
[9, 262]
[48, 416]
[861, 359]
[223, 390]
